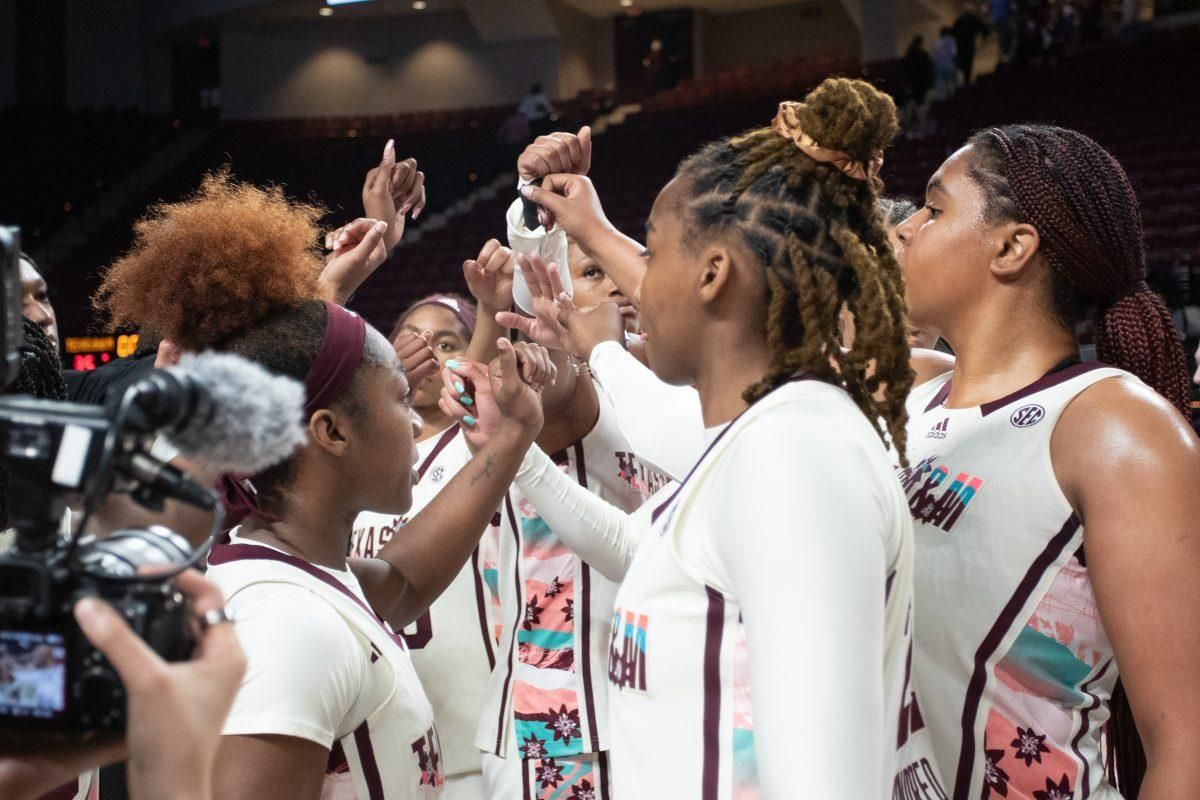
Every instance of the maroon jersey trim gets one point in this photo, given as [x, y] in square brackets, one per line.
[1085, 784]
[710, 773]
[1008, 616]
[447, 437]
[585, 618]
[224, 553]
[1050, 379]
[512, 639]
[481, 609]
[366, 757]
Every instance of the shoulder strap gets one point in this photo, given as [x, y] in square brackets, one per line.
[227, 552]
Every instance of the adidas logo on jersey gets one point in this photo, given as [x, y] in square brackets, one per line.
[939, 431]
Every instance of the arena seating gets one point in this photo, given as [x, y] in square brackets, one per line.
[1137, 100]
[89, 150]
[1101, 92]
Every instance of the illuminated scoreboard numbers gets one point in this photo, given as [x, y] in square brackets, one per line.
[88, 352]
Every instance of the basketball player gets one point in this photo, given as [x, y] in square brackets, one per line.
[761, 631]
[1055, 502]
[326, 678]
[453, 643]
[543, 729]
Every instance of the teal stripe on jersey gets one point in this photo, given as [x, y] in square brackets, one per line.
[547, 640]
[1039, 661]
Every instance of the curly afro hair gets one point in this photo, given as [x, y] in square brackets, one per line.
[215, 264]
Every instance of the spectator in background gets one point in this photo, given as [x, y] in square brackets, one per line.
[35, 299]
[945, 65]
[918, 76]
[654, 64]
[1066, 30]
[536, 108]
[967, 28]
[1006, 28]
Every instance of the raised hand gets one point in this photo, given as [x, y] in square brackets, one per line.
[489, 277]
[391, 190]
[416, 356]
[545, 287]
[355, 252]
[558, 153]
[571, 202]
[584, 328]
[506, 392]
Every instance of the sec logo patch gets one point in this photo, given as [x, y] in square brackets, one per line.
[1028, 415]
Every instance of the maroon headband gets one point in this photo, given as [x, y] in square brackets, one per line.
[338, 359]
[341, 353]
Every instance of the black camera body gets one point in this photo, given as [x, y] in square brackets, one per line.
[52, 681]
[56, 681]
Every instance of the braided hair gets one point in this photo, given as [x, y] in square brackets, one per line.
[39, 375]
[822, 242]
[1083, 206]
[1081, 202]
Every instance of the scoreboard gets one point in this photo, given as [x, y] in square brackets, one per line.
[88, 352]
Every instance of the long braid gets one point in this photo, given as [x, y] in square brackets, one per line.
[1086, 214]
[1084, 208]
[822, 241]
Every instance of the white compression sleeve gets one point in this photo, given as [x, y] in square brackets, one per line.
[598, 532]
[800, 537]
[662, 423]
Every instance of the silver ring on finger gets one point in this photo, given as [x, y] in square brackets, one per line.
[215, 616]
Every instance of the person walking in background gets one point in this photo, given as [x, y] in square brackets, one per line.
[945, 65]
[536, 108]
[918, 77]
[967, 29]
[1006, 30]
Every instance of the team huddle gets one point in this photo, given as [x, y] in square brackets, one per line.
[699, 518]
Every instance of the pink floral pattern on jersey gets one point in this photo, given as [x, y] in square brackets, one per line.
[1056, 672]
[745, 767]
[566, 778]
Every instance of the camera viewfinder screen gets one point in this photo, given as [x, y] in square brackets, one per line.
[33, 674]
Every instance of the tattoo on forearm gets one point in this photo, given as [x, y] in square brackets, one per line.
[484, 472]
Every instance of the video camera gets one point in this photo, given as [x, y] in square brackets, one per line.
[51, 679]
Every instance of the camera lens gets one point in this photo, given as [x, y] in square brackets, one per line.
[124, 552]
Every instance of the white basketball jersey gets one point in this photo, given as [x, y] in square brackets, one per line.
[453, 643]
[680, 698]
[387, 738]
[1015, 668]
[548, 688]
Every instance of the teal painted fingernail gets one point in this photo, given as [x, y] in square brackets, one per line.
[452, 364]
[469, 419]
[458, 387]
[466, 401]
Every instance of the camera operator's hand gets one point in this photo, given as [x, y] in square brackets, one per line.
[175, 711]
